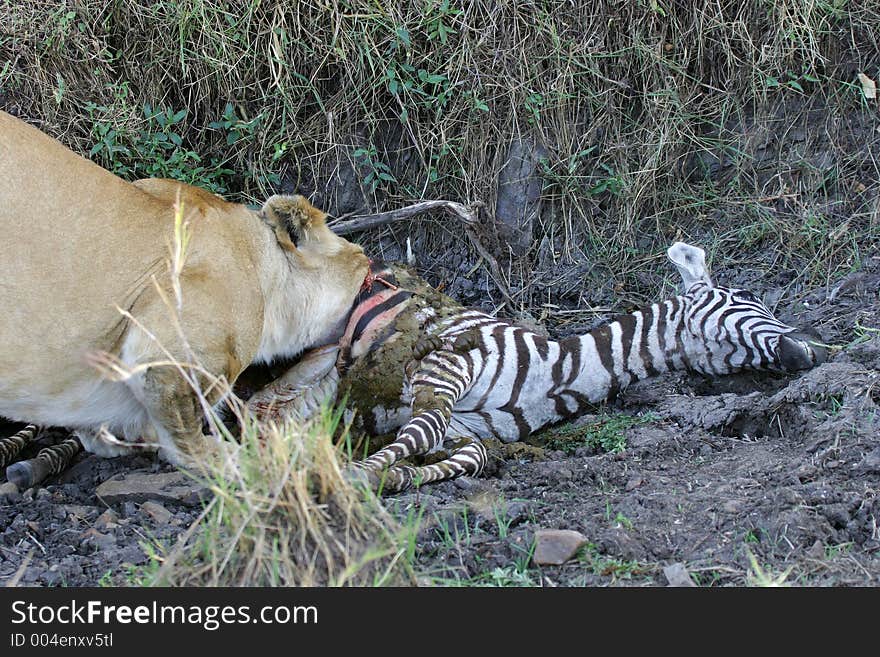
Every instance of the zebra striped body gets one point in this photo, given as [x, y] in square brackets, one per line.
[414, 360]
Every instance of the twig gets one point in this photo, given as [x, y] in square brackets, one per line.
[494, 269]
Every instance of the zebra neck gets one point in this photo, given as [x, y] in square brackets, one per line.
[643, 344]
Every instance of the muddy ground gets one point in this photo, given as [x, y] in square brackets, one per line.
[748, 479]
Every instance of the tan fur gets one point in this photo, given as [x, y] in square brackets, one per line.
[78, 241]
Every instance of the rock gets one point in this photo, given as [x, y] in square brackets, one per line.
[140, 487]
[517, 512]
[8, 487]
[733, 506]
[634, 483]
[470, 485]
[51, 577]
[79, 511]
[157, 512]
[556, 546]
[132, 554]
[869, 464]
[93, 538]
[9, 493]
[677, 575]
[107, 520]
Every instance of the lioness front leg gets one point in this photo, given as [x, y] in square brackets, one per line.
[177, 414]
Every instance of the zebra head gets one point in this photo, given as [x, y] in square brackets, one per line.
[726, 330]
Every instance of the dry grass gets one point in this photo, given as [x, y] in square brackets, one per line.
[284, 515]
[738, 125]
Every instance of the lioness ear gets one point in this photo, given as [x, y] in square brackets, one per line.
[690, 262]
[290, 217]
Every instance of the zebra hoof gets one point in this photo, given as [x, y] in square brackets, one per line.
[21, 474]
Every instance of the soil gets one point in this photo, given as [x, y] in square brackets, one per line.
[755, 478]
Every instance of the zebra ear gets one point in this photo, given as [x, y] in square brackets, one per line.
[691, 264]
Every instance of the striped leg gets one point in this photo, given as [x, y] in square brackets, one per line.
[441, 380]
[11, 447]
[50, 461]
[468, 460]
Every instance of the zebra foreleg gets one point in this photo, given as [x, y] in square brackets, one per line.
[48, 462]
[468, 460]
[441, 380]
[300, 392]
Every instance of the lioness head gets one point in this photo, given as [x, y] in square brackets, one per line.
[323, 260]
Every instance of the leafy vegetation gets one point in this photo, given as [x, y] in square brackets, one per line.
[607, 433]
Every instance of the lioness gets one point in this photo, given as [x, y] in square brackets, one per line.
[80, 244]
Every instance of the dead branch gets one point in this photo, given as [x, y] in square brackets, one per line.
[466, 214]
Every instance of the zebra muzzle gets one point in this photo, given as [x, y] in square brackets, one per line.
[801, 350]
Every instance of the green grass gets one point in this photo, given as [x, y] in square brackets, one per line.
[286, 516]
[607, 566]
[607, 433]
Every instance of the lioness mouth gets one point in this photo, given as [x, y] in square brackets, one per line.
[374, 275]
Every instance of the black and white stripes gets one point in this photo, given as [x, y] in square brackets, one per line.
[49, 461]
[481, 376]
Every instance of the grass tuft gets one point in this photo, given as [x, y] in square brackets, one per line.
[285, 515]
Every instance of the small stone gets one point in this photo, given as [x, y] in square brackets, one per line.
[556, 546]
[157, 512]
[470, 484]
[8, 488]
[43, 495]
[733, 506]
[107, 520]
[92, 537]
[78, 511]
[634, 483]
[132, 554]
[816, 550]
[677, 575]
[564, 473]
[806, 472]
[51, 578]
[870, 463]
[140, 487]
